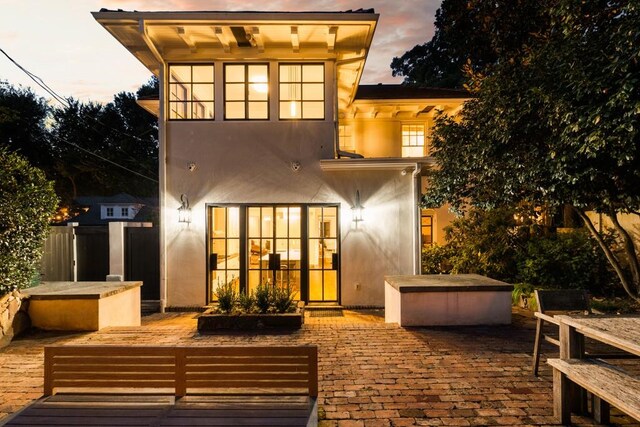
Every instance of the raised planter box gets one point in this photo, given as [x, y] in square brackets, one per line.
[210, 321]
[447, 300]
[84, 306]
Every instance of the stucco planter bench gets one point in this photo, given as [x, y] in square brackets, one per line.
[84, 306]
[446, 300]
[210, 321]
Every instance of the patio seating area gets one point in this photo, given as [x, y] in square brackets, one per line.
[369, 373]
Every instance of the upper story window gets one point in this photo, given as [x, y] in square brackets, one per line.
[413, 141]
[246, 91]
[301, 91]
[109, 212]
[191, 89]
[124, 212]
[345, 135]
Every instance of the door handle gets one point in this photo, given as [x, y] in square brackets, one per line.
[213, 262]
[335, 261]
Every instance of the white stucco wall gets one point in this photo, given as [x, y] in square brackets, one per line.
[250, 162]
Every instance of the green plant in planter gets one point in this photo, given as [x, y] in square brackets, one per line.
[226, 296]
[283, 298]
[263, 297]
[246, 301]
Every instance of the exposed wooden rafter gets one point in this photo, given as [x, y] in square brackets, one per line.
[295, 41]
[255, 38]
[331, 38]
[187, 39]
[222, 38]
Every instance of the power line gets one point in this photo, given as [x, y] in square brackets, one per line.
[103, 158]
[66, 103]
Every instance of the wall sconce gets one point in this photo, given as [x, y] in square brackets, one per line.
[184, 211]
[356, 210]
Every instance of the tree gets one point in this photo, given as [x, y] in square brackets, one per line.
[558, 125]
[23, 116]
[27, 202]
[471, 35]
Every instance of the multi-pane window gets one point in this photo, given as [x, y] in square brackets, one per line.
[301, 91]
[110, 212]
[191, 89]
[246, 91]
[124, 212]
[426, 227]
[413, 141]
[345, 136]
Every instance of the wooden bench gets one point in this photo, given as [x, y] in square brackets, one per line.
[608, 384]
[167, 385]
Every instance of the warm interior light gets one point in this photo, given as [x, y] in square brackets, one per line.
[293, 106]
[260, 84]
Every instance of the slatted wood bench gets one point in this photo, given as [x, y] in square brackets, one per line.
[176, 385]
[608, 384]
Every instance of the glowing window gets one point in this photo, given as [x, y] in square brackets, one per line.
[301, 91]
[426, 227]
[345, 137]
[413, 141]
[191, 89]
[246, 91]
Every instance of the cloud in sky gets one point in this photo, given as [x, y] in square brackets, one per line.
[61, 42]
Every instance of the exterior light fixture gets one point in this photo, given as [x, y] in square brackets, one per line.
[184, 211]
[356, 210]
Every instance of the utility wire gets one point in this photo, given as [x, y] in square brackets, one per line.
[66, 103]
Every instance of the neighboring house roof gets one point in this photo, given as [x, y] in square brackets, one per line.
[389, 91]
[149, 206]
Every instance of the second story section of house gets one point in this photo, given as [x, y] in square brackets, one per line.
[249, 66]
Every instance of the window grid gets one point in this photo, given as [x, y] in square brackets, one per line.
[426, 228]
[124, 212]
[249, 92]
[191, 98]
[110, 212]
[301, 91]
[345, 136]
[413, 141]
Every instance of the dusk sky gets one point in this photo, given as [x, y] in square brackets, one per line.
[60, 42]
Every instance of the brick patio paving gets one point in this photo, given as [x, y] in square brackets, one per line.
[371, 373]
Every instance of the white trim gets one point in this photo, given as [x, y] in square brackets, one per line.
[400, 164]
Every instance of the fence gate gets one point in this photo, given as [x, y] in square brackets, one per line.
[57, 259]
[92, 245]
[142, 259]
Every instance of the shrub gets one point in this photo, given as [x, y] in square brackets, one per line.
[226, 296]
[263, 297]
[282, 298]
[27, 203]
[246, 301]
[565, 261]
[436, 259]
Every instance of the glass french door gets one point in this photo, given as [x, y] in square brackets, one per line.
[286, 245]
[323, 254]
[274, 235]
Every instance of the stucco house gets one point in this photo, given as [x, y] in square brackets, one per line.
[275, 163]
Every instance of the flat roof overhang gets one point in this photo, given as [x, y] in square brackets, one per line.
[390, 163]
[157, 38]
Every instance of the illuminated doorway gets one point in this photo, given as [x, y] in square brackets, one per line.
[294, 245]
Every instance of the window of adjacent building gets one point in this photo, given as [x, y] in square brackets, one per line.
[124, 212]
[109, 212]
[301, 91]
[246, 91]
[191, 89]
[413, 141]
[345, 136]
[426, 227]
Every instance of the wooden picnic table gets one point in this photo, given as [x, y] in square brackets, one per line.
[622, 332]
[608, 384]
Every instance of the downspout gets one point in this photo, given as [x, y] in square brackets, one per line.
[338, 152]
[162, 169]
[415, 189]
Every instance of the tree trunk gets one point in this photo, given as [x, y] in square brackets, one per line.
[629, 279]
